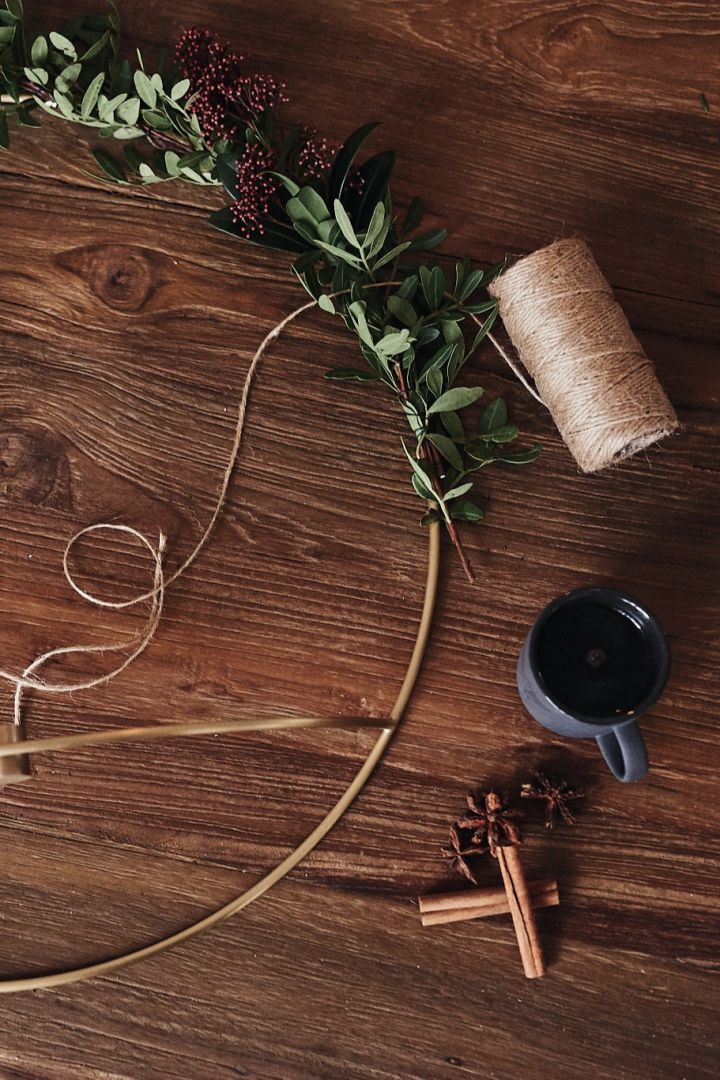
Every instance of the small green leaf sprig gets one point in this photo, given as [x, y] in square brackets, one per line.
[203, 120]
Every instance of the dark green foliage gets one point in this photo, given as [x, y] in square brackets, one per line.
[417, 322]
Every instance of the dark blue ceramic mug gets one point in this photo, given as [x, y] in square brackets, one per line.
[593, 662]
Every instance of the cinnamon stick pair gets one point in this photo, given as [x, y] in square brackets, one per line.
[440, 908]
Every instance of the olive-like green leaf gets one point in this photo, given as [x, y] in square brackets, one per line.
[290, 186]
[456, 492]
[461, 269]
[448, 449]
[423, 490]
[479, 308]
[491, 272]
[456, 398]
[180, 89]
[435, 382]
[480, 450]
[64, 104]
[145, 88]
[466, 511]
[343, 220]
[91, 95]
[301, 218]
[470, 284]
[357, 313]
[485, 328]
[37, 75]
[428, 240]
[106, 109]
[63, 45]
[67, 77]
[226, 168]
[493, 416]
[409, 286]
[307, 276]
[375, 173]
[329, 231]
[171, 162]
[131, 156]
[414, 419]
[437, 360]
[390, 255]
[503, 434]
[339, 253]
[97, 47]
[453, 425]
[15, 8]
[417, 468]
[314, 203]
[347, 374]
[157, 119]
[393, 343]
[110, 165]
[345, 157]
[452, 331]
[374, 229]
[434, 284]
[402, 310]
[518, 457]
[413, 217]
[326, 304]
[126, 132]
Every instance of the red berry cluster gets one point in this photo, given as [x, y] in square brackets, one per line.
[256, 187]
[315, 155]
[226, 98]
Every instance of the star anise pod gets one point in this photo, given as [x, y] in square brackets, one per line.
[459, 854]
[556, 794]
[491, 822]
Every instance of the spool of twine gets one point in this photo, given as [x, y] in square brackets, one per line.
[591, 370]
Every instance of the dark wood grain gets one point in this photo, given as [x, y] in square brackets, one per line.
[127, 327]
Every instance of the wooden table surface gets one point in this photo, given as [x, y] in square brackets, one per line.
[127, 327]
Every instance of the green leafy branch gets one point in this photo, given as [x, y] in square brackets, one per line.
[352, 253]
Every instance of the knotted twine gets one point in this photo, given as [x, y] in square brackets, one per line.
[575, 341]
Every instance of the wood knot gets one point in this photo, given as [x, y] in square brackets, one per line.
[34, 467]
[574, 49]
[123, 276]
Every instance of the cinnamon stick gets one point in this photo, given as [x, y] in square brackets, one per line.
[521, 909]
[516, 888]
[440, 908]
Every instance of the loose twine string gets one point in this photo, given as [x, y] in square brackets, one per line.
[602, 392]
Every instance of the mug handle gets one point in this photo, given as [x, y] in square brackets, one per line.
[625, 752]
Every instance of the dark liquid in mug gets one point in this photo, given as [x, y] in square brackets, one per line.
[595, 660]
